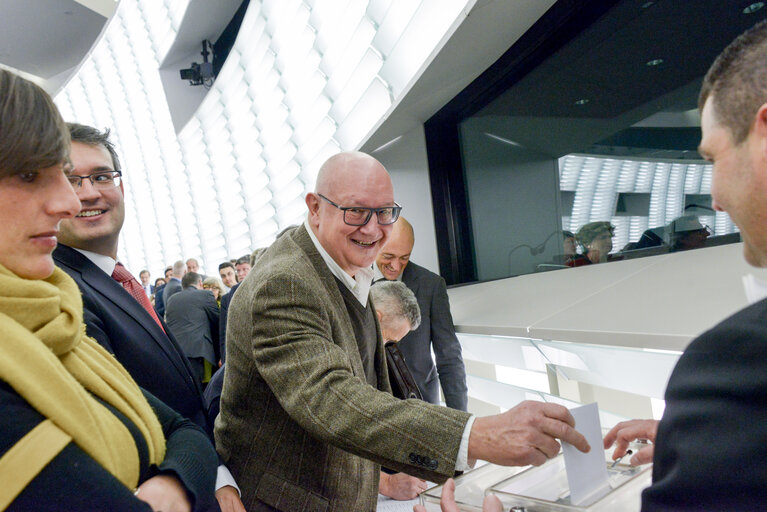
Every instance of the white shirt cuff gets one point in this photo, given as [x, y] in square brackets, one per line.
[224, 478]
[462, 461]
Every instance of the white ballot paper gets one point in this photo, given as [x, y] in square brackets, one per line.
[586, 472]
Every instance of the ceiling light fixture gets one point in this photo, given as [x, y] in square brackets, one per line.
[582, 101]
[655, 62]
[751, 9]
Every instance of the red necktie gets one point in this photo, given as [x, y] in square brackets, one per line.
[122, 276]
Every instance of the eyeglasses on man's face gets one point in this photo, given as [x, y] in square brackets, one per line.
[103, 180]
[359, 215]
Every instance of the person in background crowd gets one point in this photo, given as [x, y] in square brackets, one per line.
[159, 305]
[174, 284]
[192, 316]
[214, 285]
[228, 274]
[144, 277]
[596, 240]
[242, 266]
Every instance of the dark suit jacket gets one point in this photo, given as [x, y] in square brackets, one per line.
[118, 322]
[438, 332]
[714, 429]
[299, 427]
[171, 287]
[159, 304]
[192, 317]
[225, 301]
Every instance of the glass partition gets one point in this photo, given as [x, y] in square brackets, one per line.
[579, 146]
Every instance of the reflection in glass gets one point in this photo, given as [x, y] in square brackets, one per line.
[593, 140]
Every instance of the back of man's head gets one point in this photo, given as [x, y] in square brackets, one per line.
[191, 280]
[737, 82]
[91, 136]
[179, 269]
[395, 303]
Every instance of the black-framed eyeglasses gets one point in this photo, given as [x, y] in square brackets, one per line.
[359, 215]
[104, 179]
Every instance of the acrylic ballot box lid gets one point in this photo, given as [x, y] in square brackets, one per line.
[545, 488]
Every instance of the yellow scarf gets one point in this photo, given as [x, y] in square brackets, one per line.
[47, 358]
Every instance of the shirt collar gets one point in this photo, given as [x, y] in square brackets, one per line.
[359, 285]
[105, 263]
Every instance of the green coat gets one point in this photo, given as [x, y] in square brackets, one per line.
[299, 427]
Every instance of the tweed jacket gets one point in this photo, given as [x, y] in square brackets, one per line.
[435, 332]
[299, 427]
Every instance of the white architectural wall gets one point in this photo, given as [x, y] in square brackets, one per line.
[304, 80]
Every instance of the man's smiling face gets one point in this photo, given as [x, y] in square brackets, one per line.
[97, 227]
[361, 181]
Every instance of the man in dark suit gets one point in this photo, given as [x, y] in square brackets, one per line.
[436, 331]
[715, 421]
[307, 413]
[192, 316]
[87, 251]
[159, 304]
[145, 284]
[173, 285]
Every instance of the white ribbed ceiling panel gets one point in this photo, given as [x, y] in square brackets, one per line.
[304, 80]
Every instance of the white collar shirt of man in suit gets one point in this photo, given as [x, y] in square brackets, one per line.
[359, 284]
[105, 263]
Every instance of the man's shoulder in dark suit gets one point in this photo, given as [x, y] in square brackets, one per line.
[714, 419]
[171, 287]
[119, 323]
[414, 272]
[436, 333]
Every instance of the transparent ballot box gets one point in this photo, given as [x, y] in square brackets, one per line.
[545, 488]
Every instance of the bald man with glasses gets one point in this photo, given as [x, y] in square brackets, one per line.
[307, 414]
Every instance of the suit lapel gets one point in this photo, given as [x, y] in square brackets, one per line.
[117, 295]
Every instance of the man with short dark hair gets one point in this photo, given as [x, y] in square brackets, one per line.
[306, 385]
[436, 332]
[115, 316]
[715, 419]
[228, 274]
[192, 316]
[243, 267]
[145, 284]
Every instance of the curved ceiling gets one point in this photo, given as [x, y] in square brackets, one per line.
[65, 31]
